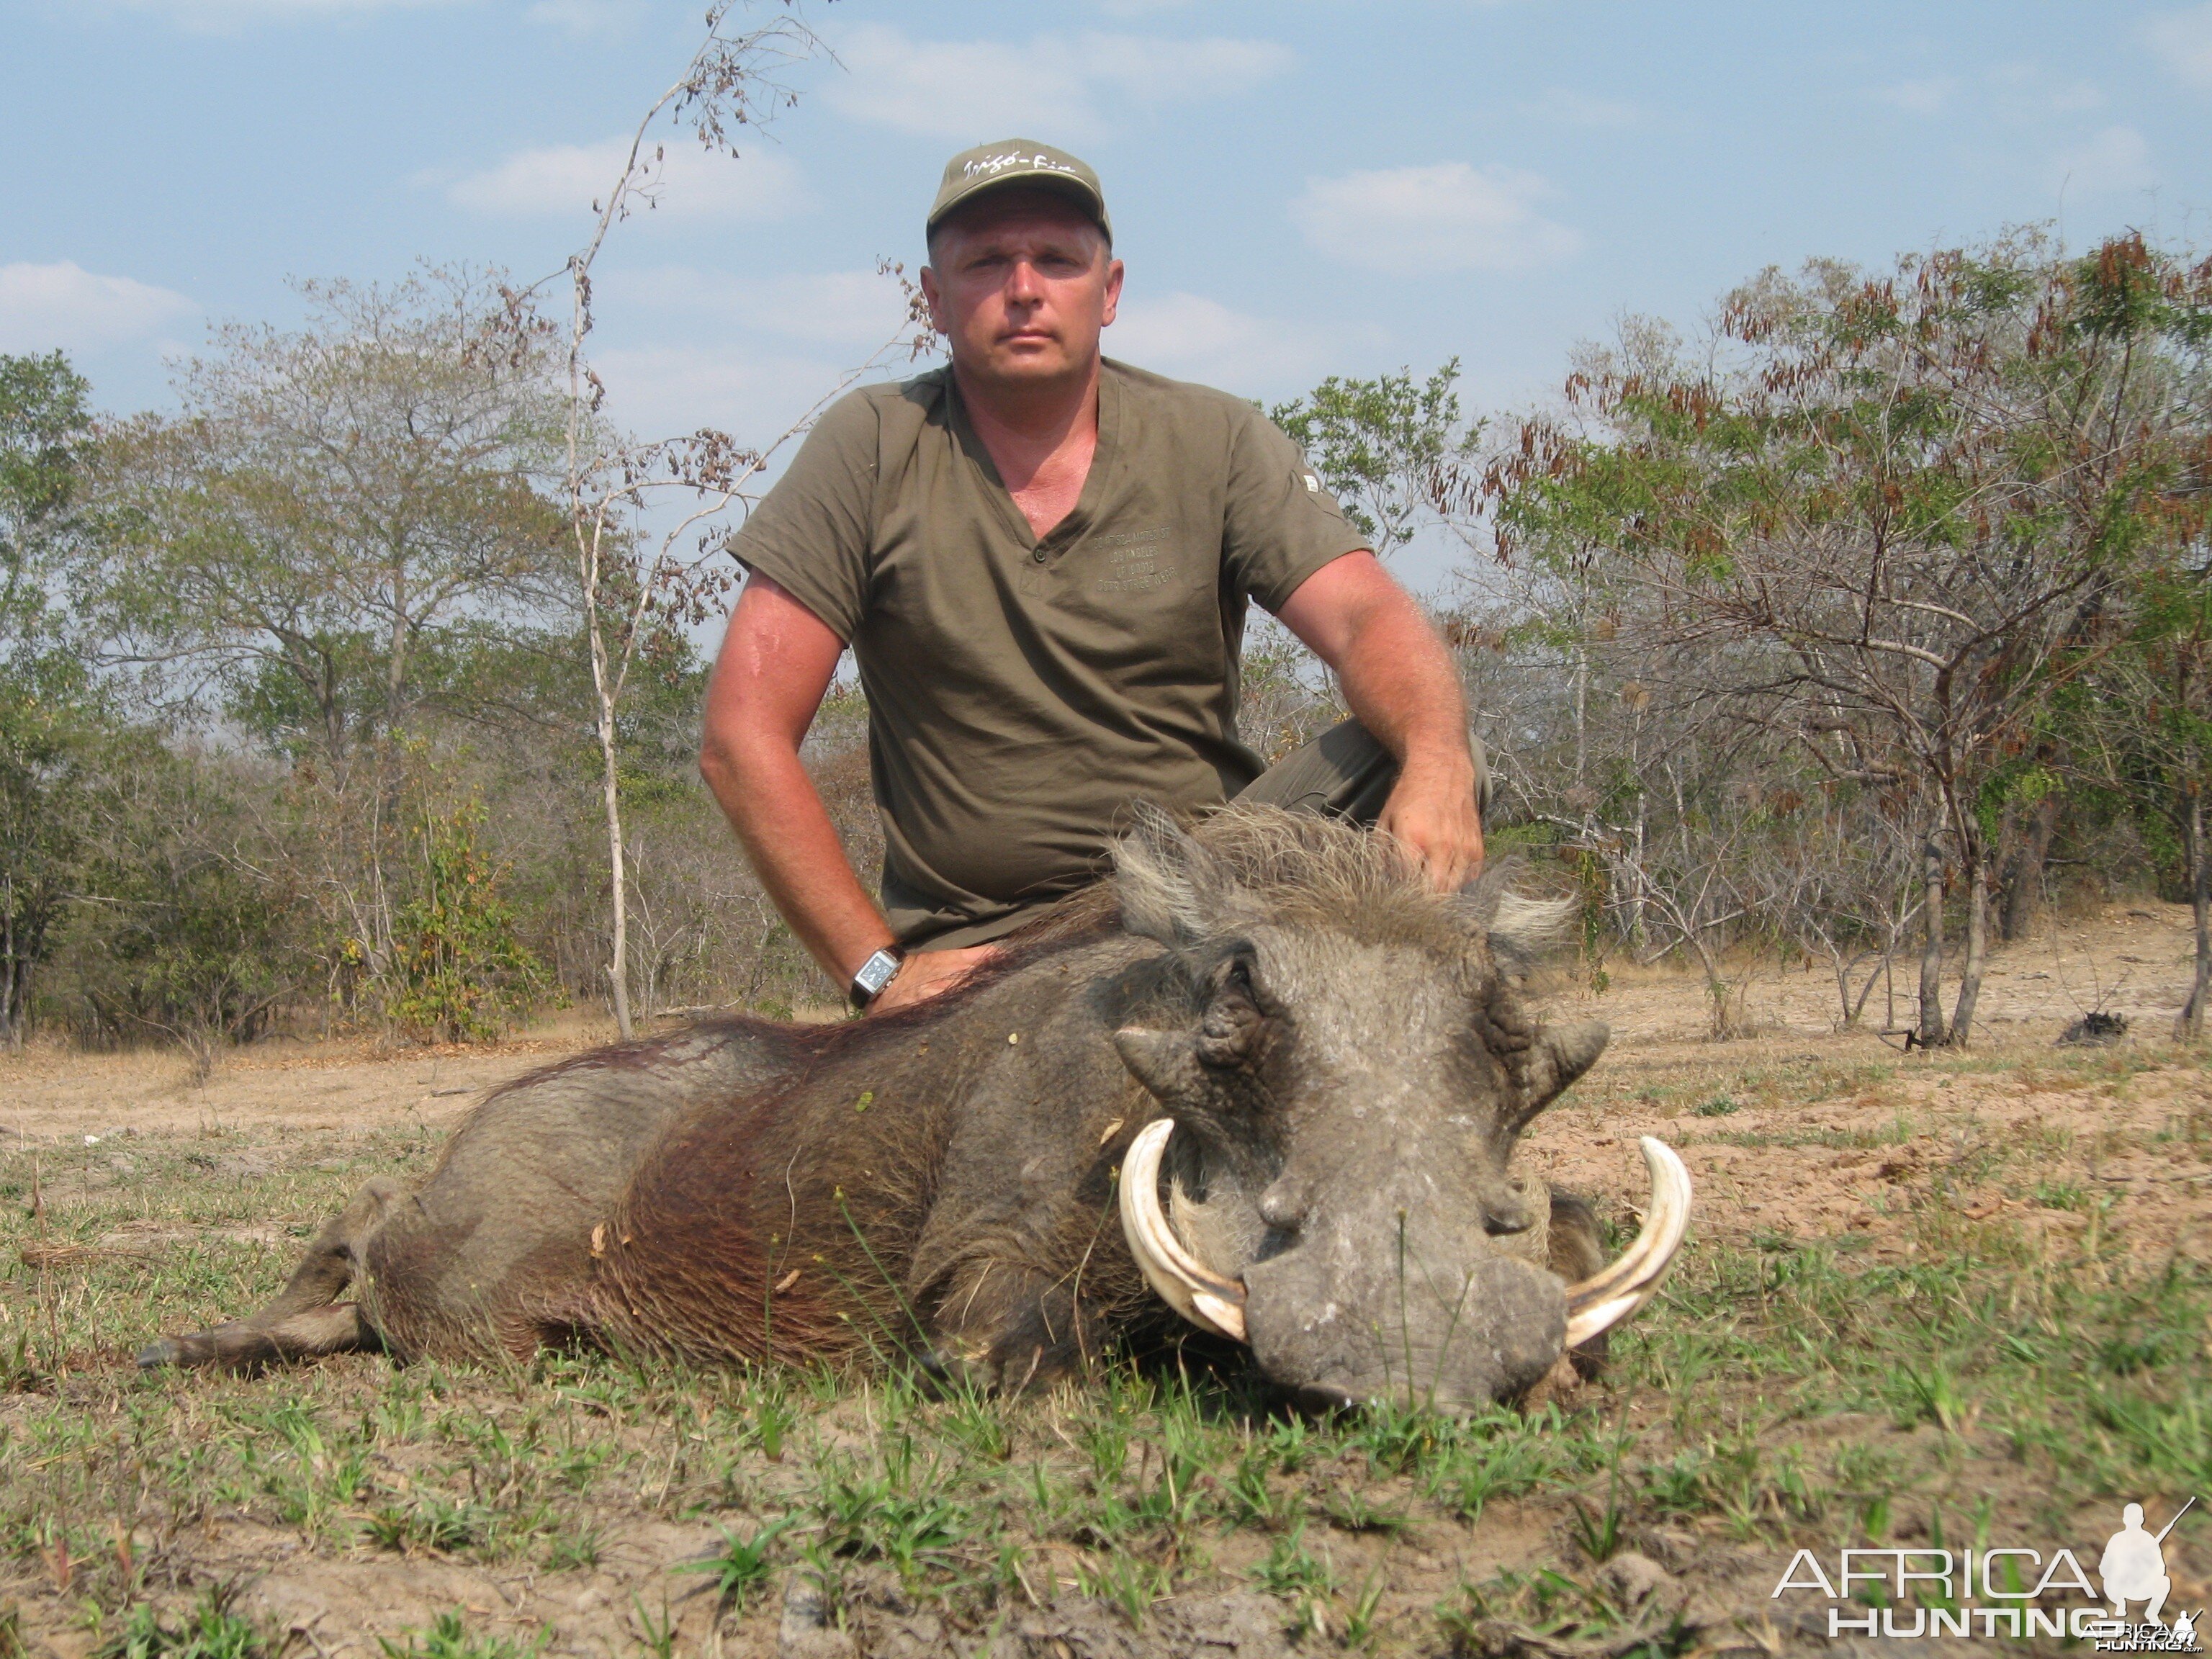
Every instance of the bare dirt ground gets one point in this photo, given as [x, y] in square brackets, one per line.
[1912, 1291]
[2135, 960]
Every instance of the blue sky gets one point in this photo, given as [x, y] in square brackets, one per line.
[1299, 187]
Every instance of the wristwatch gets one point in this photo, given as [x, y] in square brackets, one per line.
[878, 971]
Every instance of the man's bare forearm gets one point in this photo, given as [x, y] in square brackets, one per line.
[1401, 682]
[776, 664]
[773, 804]
[1396, 674]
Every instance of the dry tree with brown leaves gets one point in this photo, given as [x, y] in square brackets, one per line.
[1883, 520]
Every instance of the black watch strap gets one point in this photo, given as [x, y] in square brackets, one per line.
[878, 971]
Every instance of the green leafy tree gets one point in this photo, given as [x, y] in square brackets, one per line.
[2177, 635]
[2140, 730]
[45, 424]
[330, 501]
[1387, 448]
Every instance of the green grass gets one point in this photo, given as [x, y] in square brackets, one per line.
[1781, 1392]
[743, 1565]
[449, 1638]
[1303, 1578]
[1896, 1132]
[1562, 1609]
[209, 1631]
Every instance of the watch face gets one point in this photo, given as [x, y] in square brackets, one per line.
[878, 971]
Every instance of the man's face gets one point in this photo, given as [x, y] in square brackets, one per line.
[1020, 284]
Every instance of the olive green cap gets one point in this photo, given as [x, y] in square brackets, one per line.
[1020, 161]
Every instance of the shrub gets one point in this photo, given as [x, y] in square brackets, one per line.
[462, 972]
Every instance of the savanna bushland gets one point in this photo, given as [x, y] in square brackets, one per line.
[1842, 652]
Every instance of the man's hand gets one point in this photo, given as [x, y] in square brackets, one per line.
[1431, 814]
[1400, 680]
[926, 974]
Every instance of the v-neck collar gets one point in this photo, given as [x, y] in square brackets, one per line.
[1103, 456]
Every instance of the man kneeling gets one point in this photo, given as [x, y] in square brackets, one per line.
[1042, 562]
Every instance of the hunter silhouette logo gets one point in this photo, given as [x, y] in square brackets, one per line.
[2006, 1591]
[2133, 1568]
[2134, 1565]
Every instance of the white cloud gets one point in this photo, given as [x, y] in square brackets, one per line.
[1448, 216]
[2029, 88]
[1580, 109]
[584, 18]
[1926, 97]
[2115, 161]
[1158, 70]
[43, 308]
[856, 309]
[226, 14]
[973, 91]
[2016, 91]
[693, 183]
[1196, 338]
[659, 391]
[2077, 96]
[2184, 39]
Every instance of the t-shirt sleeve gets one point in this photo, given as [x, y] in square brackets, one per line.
[810, 535]
[1280, 524]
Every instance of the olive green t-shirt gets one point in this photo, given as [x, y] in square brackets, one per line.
[1023, 694]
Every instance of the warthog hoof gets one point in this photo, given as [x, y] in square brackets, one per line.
[155, 1355]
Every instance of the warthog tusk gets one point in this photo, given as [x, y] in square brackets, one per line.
[1192, 1290]
[1610, 1295]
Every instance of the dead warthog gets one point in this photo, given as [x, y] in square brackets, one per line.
[1305, 1072]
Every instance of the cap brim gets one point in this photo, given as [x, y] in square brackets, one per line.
[1073, 190]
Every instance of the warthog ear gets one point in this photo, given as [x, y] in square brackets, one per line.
[1560, 1056]
[1520, 930]
[1163, 1061]
[1171, 888]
